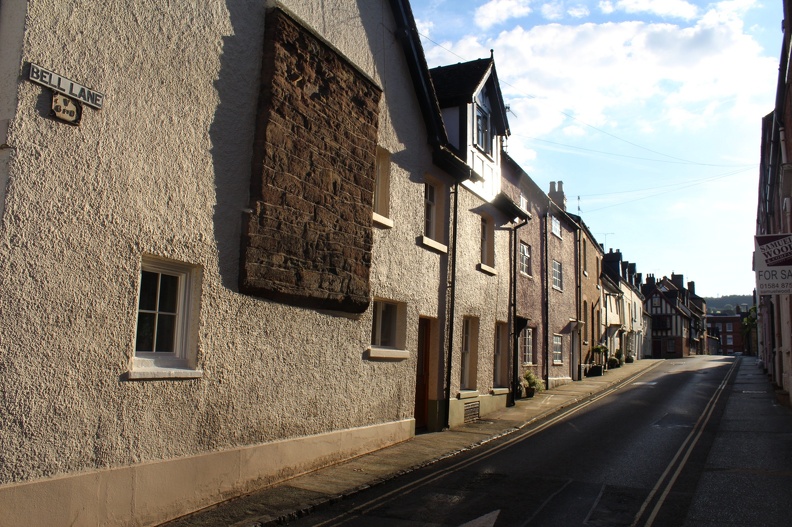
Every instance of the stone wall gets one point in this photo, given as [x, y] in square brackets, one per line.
[308, 239]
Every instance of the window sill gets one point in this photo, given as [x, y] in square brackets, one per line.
[141, 374]
[467, 394]
[558, 289]
[431, 244]
[143, 368]
[382, 221]
[383, 353]
[484, 268]
[526, 275]
[499, 391]
[558, 363]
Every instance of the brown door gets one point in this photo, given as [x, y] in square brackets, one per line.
[656, 349]
[422, 374]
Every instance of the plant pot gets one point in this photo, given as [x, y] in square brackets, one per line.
[594, 371]
[530, 392]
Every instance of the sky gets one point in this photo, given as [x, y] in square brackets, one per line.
[649, 111]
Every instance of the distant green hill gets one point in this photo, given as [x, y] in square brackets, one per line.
[727, 304]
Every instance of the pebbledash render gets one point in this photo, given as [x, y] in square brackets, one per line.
[222, 277]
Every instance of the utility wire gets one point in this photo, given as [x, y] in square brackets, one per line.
[572, 117]
[697, 182]
[678, 162]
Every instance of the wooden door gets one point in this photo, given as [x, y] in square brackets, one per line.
[422, 374]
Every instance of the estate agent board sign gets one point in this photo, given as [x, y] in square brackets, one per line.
[773, 264]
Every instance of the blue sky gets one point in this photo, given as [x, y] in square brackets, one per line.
[649, 111]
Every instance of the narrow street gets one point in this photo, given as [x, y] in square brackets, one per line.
[693, 442]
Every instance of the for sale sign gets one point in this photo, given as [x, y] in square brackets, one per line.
[773, 264]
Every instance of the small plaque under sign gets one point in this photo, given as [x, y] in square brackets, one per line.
[66, 109]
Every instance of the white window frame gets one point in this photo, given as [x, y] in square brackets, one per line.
[525, 259]
[381, 210]
[483, 130]
[555, 226]
[182, 362]
[558, 275]
[396, 314]
[558, 349]
[526, 346]
[729, 327]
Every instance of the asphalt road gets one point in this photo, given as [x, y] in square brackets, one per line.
[639, 456]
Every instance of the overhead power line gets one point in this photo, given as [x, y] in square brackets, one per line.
[676, 159]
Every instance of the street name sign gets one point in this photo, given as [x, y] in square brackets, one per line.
[66, 86]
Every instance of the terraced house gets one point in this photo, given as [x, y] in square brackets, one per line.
[304, 247]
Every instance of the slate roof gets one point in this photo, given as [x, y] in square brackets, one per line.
[456, 84]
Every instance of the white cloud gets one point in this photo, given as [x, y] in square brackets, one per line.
[553, 10]
[578, 11]
[604, 73]
[424, 27]
[665, 8]
[606, 7]
[498, 11]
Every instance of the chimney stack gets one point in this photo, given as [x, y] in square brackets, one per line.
[557, 194]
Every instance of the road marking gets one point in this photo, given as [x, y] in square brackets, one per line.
[488, 520]
[687, 448]
[519, 435]
[652, 383]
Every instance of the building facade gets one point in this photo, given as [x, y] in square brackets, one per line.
[222, 278]
[773, 216]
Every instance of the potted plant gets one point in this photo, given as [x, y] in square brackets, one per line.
[595, 368]
[532, 383]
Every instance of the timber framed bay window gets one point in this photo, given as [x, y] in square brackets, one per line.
[388, 330]
[165, 339]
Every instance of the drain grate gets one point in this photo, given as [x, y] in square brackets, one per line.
[472, 411]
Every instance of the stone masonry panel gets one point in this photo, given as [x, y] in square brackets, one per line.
[308, 240]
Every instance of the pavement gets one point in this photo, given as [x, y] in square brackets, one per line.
[747, 477]
[298, 496]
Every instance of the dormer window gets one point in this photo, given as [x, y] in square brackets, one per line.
[483, 132]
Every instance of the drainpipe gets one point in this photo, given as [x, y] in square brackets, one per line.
[546, 291]
[579, 301]
[452, 294]
[515, 336]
